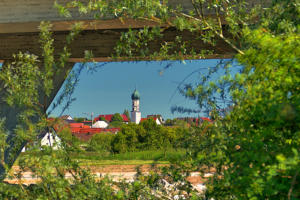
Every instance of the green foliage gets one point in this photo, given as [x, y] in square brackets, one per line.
[254, 148]
[136, 42]
[20, 81]
[47, 163]
[79, 119]
[116, 124]
[101, 142]
[27, 84]
[147, 136]
[96, 158]
[126, 112]
[116, 118]
[102, 119]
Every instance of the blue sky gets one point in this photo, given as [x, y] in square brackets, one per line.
[108, 89]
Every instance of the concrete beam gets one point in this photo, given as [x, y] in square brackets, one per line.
[21, 11]
[19, 21]
[100, 42]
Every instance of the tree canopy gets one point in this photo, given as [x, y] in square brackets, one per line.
[117, 118]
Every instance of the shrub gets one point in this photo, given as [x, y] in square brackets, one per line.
[101, 142]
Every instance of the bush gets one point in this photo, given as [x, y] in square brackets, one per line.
[147, 136]
[115, 124]
[255, 147]
[116, 118]
[101, 142]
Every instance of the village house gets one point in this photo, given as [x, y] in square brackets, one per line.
[157, 118]
[48, 138]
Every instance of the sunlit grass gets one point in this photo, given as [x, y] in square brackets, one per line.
[156, 155]
[83, 162]
[86, 158]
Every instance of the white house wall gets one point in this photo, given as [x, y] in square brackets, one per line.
[51, 140]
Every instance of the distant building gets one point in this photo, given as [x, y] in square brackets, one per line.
[157, 118]
[136, 115]
[86, 134]
[100, 124]
[109, 117]
[66, 117]
[88, 123]
[49, 139]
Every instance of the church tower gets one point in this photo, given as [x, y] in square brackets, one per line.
[135, 113]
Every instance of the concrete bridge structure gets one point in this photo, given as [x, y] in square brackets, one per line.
[19, 21]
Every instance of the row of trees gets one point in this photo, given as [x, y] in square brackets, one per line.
[145, 136]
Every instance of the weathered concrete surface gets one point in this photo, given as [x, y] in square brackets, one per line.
[21, 11]
[19, 20]
[100, 42]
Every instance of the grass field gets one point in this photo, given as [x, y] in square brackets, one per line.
[141, 157]
[86, 158]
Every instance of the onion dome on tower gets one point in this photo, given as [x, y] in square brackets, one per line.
[135, 95]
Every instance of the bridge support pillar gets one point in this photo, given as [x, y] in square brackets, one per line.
[11, 114]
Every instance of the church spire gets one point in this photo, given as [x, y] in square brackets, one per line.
[135, 113]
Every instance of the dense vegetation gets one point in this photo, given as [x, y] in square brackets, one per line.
[145, 136]
[253, 149]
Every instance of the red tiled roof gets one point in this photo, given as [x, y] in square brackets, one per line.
[108, 117]
[65, 116]
[57, 124]
[87, 133]
[76, 125]
[205, 119]
[143, 119]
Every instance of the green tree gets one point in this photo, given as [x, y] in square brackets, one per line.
[79, 119]
[102, 119]
[101, 142]
[116, 118]
[126, 112]
[120, 144]
[259, 138]
[27, 83]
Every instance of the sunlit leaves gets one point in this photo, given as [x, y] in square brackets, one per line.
[136, 42]
[19, 80]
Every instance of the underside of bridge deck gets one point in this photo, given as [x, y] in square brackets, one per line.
[100, 42]
[19, 21]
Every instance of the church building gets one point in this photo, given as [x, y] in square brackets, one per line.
[135, 113]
